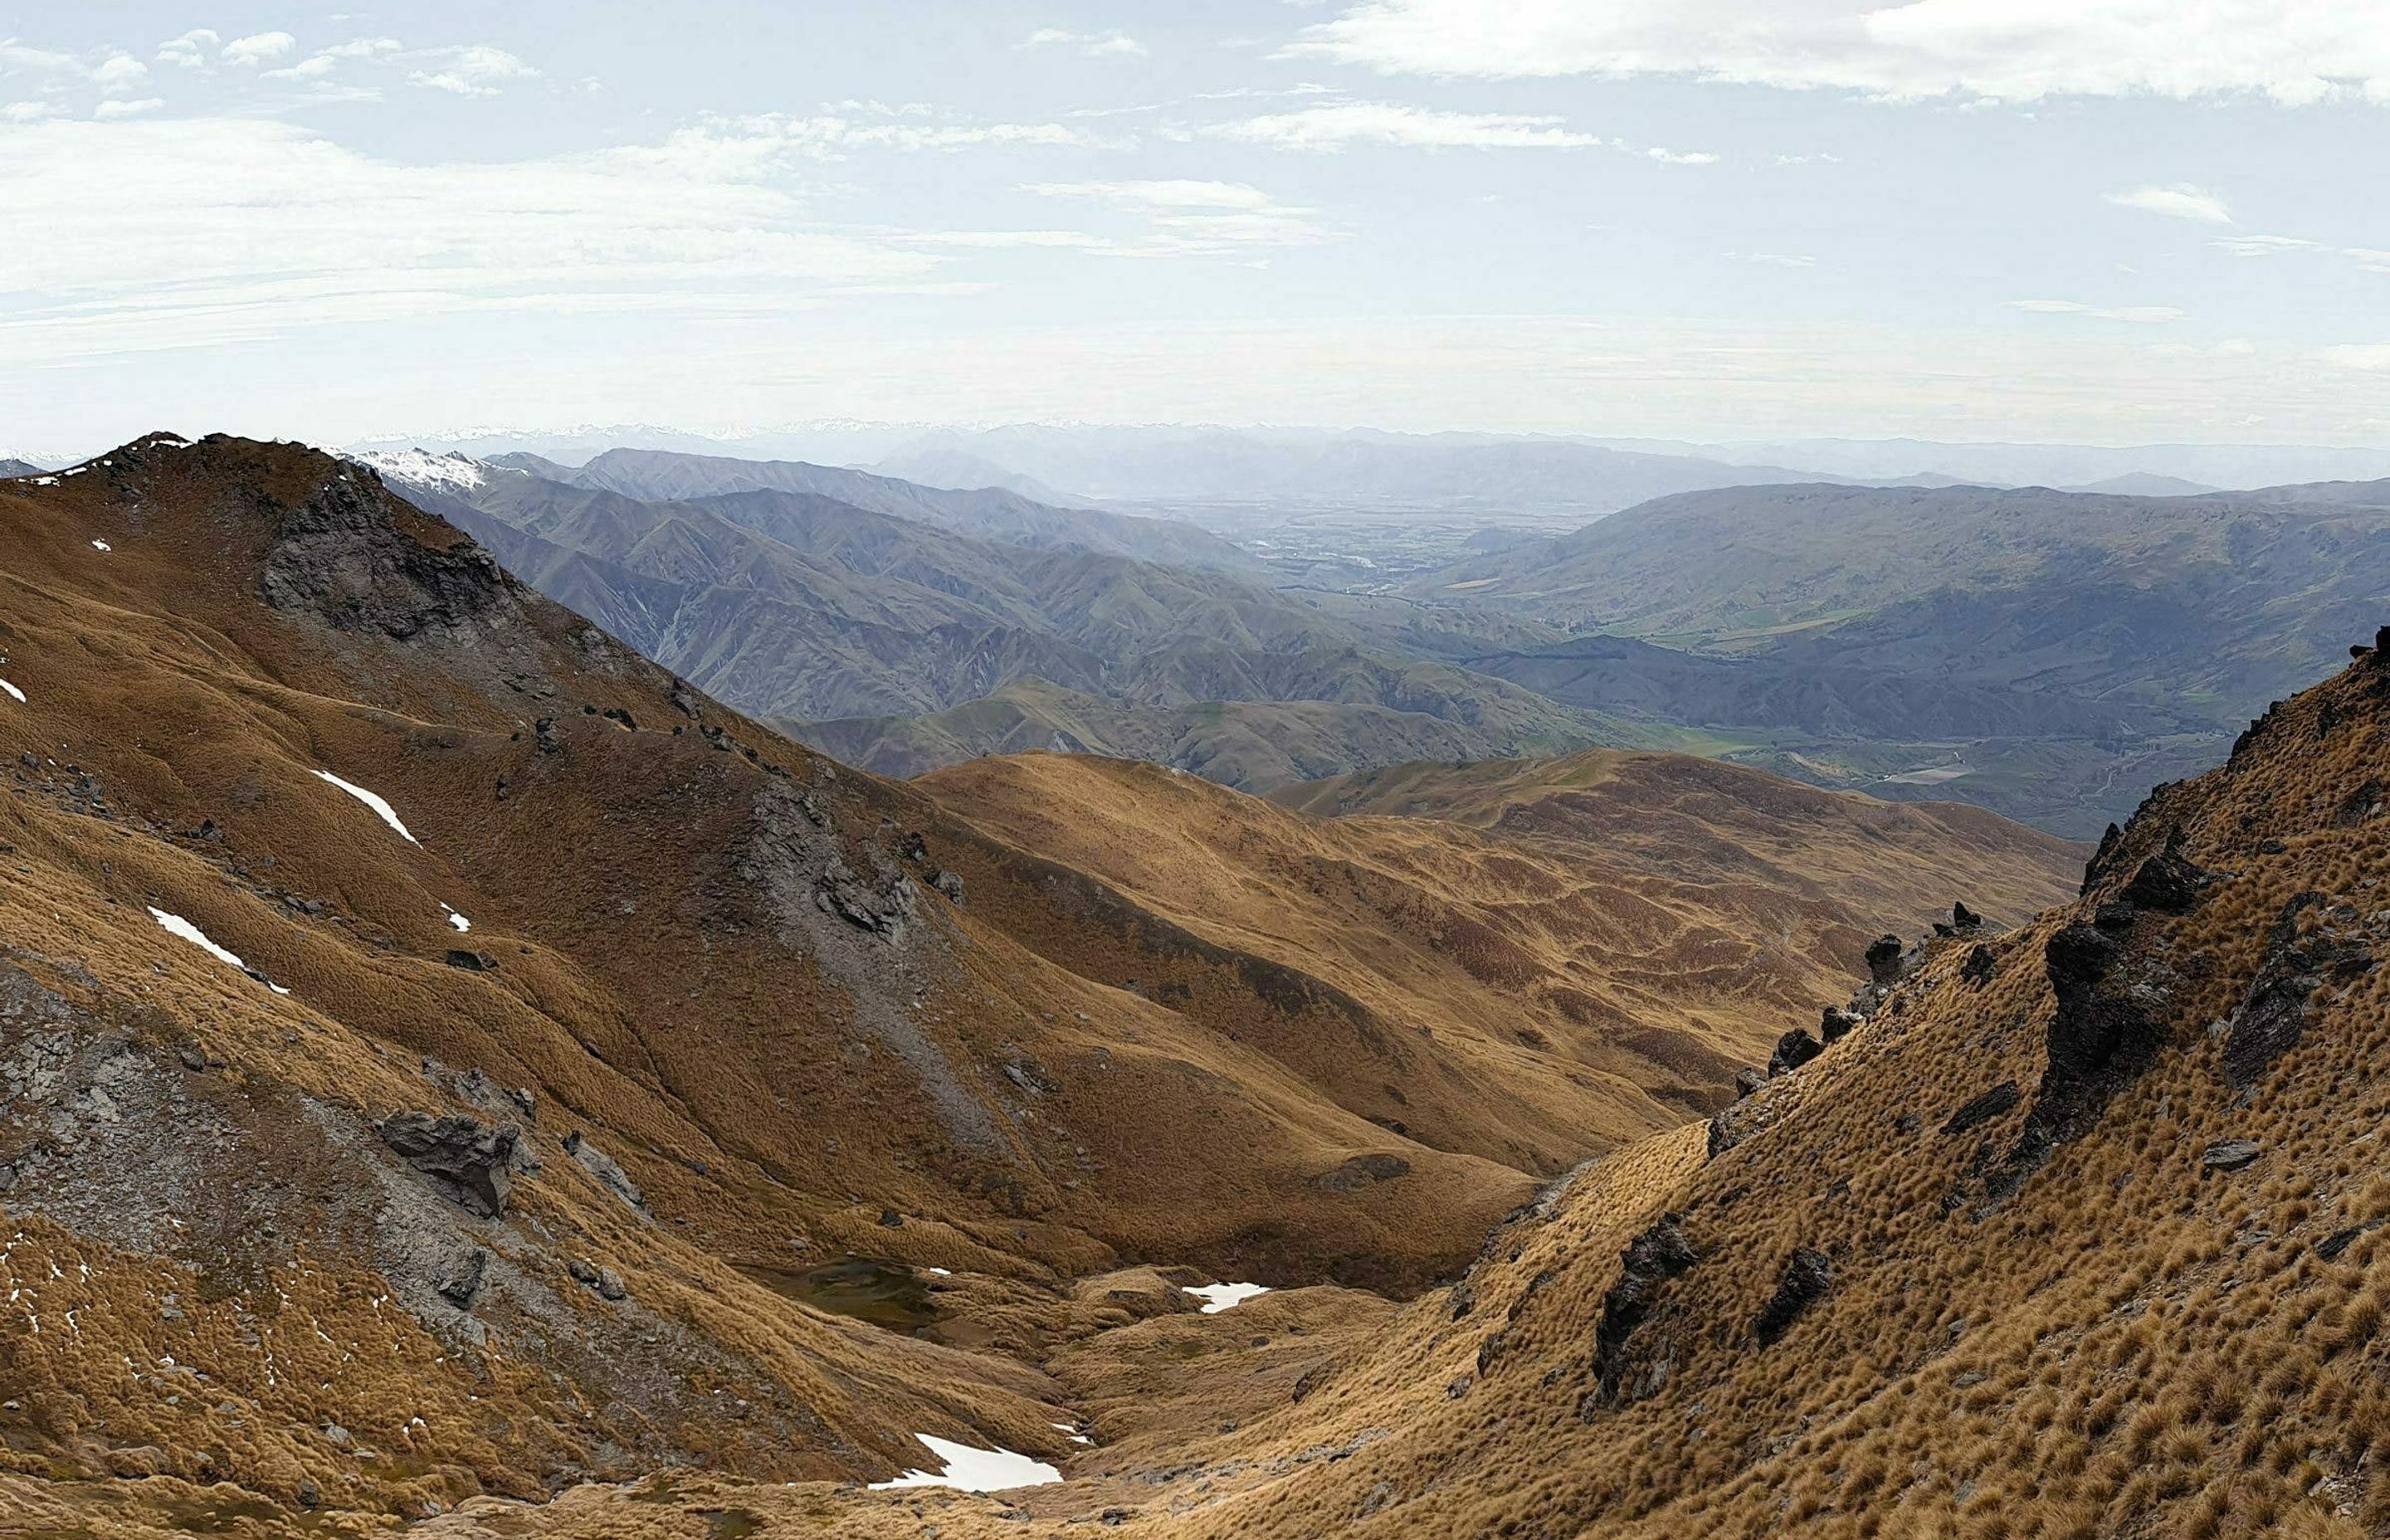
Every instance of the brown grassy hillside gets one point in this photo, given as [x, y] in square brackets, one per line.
[2081, 1234]
[725, 1013]
[1586, 942]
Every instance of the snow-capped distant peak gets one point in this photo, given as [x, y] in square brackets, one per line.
[423, 468]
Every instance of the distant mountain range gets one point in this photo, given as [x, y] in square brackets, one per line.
[2043, 653]
[911, 643]
[990, 512]
[12, 469]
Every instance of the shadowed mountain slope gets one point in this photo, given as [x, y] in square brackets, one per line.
[883, 640]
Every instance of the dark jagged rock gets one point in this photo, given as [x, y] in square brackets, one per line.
[2273, 1016]
[884, 910]
[1746, 1082]
[1808, 1276]
[469, 1161]
[2097, 867]
[1965, 921]
[1836, 1022]
[2094, 1027]
[2231, 1154]
[1983, 1108]
[471, 962]
[1979, 968]
[1660, 1253]
[1793, 1050]
[1884, 957]
[2167, 881]
[2358, 805]
[2106, 1029]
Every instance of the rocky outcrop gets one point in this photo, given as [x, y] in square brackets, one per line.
[1793, 1050]
[1808, 1276]
[342, 556]
[2273, 1016]
[467, 1159]
[1662, 1252]
[603, 1166]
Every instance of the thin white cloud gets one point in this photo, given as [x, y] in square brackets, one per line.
[325, 62]
[2012, 50]
[2178, 200]
[1161, 195]
[1334, 126]
[1682, 158]
[259, 47]
[2368, 259]
[1093, 44]
[190, 51]
[114, 107]
[1773, 259]
[17, 58]
[1182, 218]
[474, 70]
[221, 230]
[2141, 314]
[119, 73]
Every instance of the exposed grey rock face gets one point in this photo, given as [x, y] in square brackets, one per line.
[603, 1166]
[470, 1161]
[341, 557]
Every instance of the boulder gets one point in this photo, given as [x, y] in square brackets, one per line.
[1793, 1050]
[2167, 884]
[1360, 1171]
[2231, 1154]
[1965, 921]
[1979, 968]
[1883, 956]
[469, 1161]
[1835, 1023]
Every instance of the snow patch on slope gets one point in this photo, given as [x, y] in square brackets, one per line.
[1217, 1297]
[974, 1469]
[388, 816]
[177, 925]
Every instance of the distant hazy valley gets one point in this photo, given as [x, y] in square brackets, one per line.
[1266, 609]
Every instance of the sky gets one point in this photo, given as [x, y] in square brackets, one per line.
[2087, 221]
